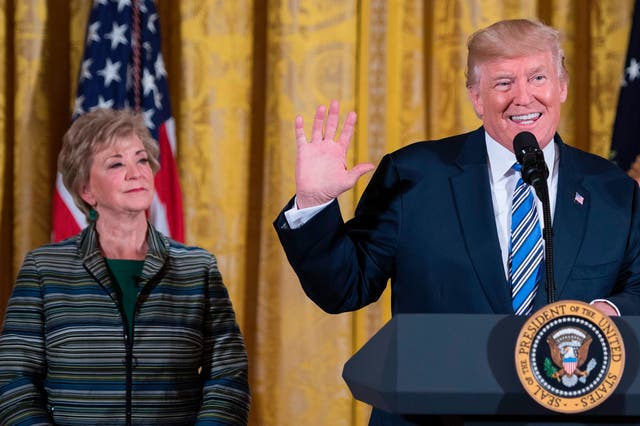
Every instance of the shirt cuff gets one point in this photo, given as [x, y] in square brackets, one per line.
[297, 217]
[615, 308]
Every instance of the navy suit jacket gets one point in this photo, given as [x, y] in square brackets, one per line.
[426, 222]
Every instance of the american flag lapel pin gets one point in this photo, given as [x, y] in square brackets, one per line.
[579, 199]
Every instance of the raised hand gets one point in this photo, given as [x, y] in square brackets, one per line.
[321, 166]
[634, 171]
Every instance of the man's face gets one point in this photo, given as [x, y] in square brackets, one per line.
[519, 94]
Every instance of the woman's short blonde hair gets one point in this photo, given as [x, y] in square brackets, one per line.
[512, 39]
[92, 132]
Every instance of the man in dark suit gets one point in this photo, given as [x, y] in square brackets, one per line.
[436, 217]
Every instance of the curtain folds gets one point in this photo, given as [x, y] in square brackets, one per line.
[239, 72]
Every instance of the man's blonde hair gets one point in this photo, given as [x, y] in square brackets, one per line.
[512, 39]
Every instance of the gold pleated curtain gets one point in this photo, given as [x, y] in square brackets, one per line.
[239, 71]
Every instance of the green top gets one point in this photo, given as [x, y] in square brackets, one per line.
[125, 273]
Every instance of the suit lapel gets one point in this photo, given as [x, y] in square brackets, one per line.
[474, 207]
[570, 218]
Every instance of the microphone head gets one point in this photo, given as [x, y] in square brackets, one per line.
[523, 144]
[531, 158]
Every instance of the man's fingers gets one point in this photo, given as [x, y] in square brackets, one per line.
[347, 129]
[332, 120]
[358, 170]
[299, 124]
[318, 127]
[318, 122]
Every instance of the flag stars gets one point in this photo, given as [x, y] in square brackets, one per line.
[148, 50]
[633, 70]
[148, 82]
[160, 70]
[92, 33]
[122, 4]
[157, 99]
[102, 103]
[77, 106]
[117, 35]
[148, 119]
[110, 72]
[151, 23]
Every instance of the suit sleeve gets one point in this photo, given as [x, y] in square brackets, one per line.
[626, 295]
[22, 355]
[345, 266]
[226, 397]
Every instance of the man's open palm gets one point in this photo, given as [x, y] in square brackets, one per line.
[321, 167]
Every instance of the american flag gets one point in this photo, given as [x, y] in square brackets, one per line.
[123, 67]
[624, 143]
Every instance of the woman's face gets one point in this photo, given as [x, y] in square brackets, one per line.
[120, 179]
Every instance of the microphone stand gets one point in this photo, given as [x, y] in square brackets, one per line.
[535, 172]
[547, 233]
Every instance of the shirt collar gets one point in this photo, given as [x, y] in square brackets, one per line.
[501, 159]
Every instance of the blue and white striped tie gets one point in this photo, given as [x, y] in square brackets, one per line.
[525, 252]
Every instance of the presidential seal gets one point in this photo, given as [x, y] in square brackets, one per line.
[569, 356]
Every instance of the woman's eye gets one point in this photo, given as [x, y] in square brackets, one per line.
[115, 165]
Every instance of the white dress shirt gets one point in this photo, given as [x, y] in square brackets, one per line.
[503, 180]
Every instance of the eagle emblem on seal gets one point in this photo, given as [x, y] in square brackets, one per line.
[569, 349]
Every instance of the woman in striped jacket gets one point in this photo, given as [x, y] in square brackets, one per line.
[119, 325]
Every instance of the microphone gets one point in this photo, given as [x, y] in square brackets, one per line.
[530, 156]
[535, 172]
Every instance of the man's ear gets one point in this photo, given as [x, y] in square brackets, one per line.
[476, 100]
[564, 89]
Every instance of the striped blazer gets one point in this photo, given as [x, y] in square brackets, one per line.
[66, 357]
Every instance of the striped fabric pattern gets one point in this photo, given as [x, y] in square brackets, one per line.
[65, 357]
[526, 250]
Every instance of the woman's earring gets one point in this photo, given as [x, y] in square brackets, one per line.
[93, 215]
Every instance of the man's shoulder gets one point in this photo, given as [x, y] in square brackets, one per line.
[446, 149]
[588, 164]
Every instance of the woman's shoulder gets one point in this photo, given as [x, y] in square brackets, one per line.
[176, 249]
[66, 247]
[179, 249]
